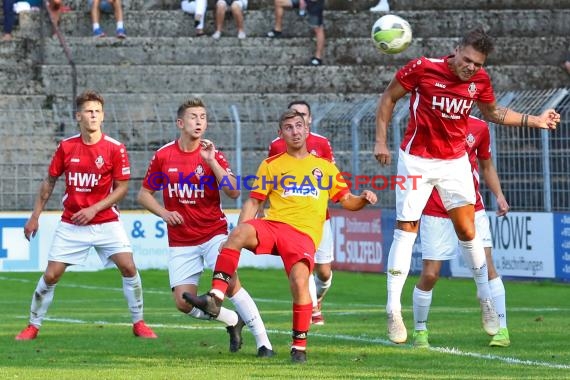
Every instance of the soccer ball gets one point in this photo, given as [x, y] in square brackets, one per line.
[391, 34]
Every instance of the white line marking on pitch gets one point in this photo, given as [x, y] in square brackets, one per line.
[384, 342]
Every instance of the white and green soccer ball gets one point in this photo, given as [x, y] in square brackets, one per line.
[391, 34]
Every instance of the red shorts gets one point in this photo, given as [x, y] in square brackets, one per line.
[280, 239]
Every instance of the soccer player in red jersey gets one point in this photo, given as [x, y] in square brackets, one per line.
[96, 169]
[190, 172]
[443, 91]
[319, 146]
[439, 241]
[298, 186]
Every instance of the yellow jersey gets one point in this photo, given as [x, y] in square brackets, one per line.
[298, 191]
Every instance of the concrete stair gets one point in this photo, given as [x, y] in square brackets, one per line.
[145, 77]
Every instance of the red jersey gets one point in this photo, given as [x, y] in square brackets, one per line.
[317, 145]
[440, 104]
[478, 145]
[188, 186]
[89, 174]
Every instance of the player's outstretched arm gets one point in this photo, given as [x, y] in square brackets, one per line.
[497, 114]
[384, 111]
[356, 202]
[44, 193]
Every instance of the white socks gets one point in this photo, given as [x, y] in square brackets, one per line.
[313, 290]
[399, 261]
[422, 303]
[247, 309]
[474, 256]
[132, 289]
[322, 286]
[41, 300]
[499, 299]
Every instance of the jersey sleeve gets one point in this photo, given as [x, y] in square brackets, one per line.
[410, 74]
[274, 148]
[339, 186]
[57, 164]
[152, 181]
[222, 160]
[487, 94]
[327, 150]
[121, 165]
[261, 187]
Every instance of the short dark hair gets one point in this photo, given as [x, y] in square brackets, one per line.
[300, 103]
[479, 40]
[289, 114]
[88, 96]
[190, 103]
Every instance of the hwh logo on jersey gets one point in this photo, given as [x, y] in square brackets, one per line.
[450, 107]
[83, 180]
[186, 192]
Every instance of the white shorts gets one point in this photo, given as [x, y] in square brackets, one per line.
[71, 243]
[194, 7]
[452, 178]
[325, 251]
[184, 263]
[228, 4]
[438, 238]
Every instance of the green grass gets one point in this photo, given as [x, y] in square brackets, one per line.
[88, 333]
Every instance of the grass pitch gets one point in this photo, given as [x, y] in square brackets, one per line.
[88, 332]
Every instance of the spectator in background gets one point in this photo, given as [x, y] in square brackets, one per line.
[315, 10]
[382, 6]
[237, 8]
[9, 19]
[566, 64]
[198, 9]
[107, 6]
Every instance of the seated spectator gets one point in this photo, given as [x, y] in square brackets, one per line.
[314, 9]
[198, 9]
[382, 6]
[107, 6]
[566, 63]
[9, 19]
[237, 8]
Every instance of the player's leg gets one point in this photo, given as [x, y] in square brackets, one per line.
[438, 243]
[457, 194]
[42, 299]
[114, 247]
[422, 297]
[302, 309]
[322, 274]
[410, 202]
[473, 253]
[70, 246]
[245, 235]
[185, 267]
[496, 285]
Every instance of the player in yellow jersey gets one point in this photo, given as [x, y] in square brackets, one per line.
[298, 186]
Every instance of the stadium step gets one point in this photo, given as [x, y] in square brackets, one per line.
[425, 23]
[289, 51]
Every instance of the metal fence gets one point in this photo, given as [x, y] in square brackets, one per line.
[533, 165]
